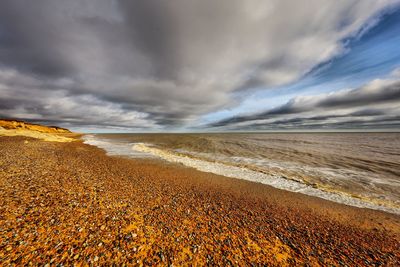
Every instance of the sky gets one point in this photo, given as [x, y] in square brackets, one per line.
[186, 65]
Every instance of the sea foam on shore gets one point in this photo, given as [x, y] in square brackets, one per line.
[254, 176]
[219, 166]
[115, 148]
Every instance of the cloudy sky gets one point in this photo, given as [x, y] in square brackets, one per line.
[191, 65]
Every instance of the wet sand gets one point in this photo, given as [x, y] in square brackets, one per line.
[70, 203]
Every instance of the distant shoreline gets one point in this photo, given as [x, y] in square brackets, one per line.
[254, 132]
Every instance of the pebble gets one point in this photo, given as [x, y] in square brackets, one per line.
[77, 204]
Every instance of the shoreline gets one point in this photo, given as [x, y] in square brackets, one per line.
[157, 212]
[280, 180]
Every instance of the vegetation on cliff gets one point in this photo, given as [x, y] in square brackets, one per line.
[47, 133]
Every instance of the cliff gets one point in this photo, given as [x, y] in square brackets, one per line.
[14, 124]
[46, 133]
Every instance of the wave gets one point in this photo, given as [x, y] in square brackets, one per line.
[275, 180]
[113, 147]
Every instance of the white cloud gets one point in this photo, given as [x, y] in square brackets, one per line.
[378, 101]
[395, 73]
[171, 60]
[55, 104]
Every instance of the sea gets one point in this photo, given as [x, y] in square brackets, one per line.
[356, 169]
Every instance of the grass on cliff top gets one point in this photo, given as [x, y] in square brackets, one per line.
[51, 137]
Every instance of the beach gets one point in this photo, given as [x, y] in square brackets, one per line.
[199, 133]
[356, 169]
[69, 203]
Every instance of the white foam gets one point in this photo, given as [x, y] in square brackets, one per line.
[115, 148]
[276, 181]
[367, 184]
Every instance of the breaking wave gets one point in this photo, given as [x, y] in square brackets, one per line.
[254, 176]
[356, 170]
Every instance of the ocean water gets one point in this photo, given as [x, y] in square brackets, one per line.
[357, 169]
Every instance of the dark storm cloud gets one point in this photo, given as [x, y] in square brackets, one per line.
[24, 31]
[378, 99]
[151, 27]
[342, 121]
[327, 123]
[160, 64]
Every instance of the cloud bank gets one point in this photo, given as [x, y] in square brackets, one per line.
[376, 104]
[147, 64]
